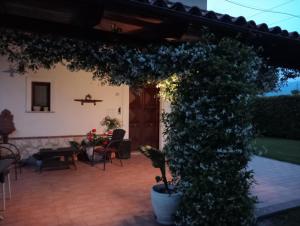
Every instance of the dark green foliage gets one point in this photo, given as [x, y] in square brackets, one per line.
[281, 149]
[295, 92]
[158, 159]
[75, 145]
[277, 116]
[208, 136]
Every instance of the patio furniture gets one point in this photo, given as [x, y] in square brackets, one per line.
[11, 151]
[48, 157]
[124, 150]
[111, 147]
[4, 174]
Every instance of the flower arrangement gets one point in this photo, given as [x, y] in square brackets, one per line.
[93, 139]
[110, 123]
[92, 136]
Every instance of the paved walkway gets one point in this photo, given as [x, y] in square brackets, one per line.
[277, 185]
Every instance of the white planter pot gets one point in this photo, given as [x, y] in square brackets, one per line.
[164, 205]
[89, 152]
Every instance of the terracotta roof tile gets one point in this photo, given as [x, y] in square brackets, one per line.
[263, 27]
[160, 3]
[178, 7]
[194, 11]
[294, 34]
[224, 18]
[275, 30]
[251, 24]
[239, 21]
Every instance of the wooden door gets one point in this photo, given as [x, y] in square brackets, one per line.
[144, 117]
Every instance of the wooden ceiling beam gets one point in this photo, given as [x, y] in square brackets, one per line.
[64, 11]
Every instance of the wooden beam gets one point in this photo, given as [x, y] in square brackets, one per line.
[64, 11]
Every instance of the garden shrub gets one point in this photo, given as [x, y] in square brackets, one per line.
[277, 116]
[208, 133]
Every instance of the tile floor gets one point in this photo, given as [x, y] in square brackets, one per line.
[87, 196]
[120, 196]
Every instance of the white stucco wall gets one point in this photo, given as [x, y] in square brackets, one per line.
[68, 117]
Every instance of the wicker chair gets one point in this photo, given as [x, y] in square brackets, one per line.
[111, 147]
[11, 151]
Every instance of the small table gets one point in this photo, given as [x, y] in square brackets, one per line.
[48, 154]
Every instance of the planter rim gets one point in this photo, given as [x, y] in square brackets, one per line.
[164, 194]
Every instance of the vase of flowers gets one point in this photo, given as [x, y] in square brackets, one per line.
[92, 140]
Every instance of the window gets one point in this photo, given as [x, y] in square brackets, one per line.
[40, 96]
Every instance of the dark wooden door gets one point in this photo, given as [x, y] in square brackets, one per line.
[144, 117]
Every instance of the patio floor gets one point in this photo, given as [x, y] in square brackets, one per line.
[120, 196]
[277, 185]
[88, 196]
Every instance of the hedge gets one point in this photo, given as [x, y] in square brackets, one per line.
[277, 116]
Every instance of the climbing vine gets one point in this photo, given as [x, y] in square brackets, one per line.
[210, 85]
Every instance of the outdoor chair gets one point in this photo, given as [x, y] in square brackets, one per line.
[112, 147]
[11, 151]
[5, 179]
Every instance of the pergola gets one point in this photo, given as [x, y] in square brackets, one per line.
[209, 126]
[146, 21]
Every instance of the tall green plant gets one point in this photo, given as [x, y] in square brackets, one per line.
[158, 160]
[208, 133]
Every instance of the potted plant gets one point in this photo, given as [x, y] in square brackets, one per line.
[164, 196]
[110, 123]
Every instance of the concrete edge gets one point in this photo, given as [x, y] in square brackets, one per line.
[273, 209]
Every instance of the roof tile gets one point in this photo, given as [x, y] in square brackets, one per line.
[195, 11]
[178, 7]
[284, 33]
[160, 3]
[144, 1]
[240, 21]
[294, 34]
[263, 27]
[252, 24]
[225, 18]
[275, 30]
[209, 14]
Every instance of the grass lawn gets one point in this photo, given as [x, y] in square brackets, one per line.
[280, 149]
[288, 218]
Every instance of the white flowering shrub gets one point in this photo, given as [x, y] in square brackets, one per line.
[208, 134]
[210, 84]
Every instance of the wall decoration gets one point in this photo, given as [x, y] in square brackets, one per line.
[88, 99]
